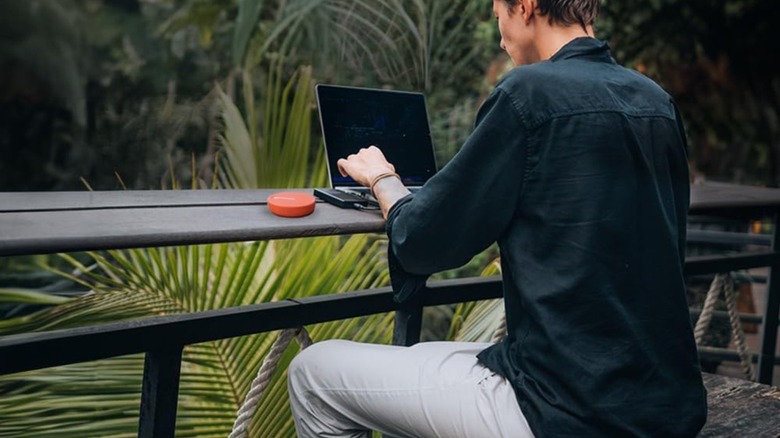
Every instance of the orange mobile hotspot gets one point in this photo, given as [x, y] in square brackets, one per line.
[291, 204]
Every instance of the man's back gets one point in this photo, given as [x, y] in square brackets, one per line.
[600, 339]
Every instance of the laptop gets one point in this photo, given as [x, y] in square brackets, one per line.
[394, 121]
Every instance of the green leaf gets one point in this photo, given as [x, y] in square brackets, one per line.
[246, 22]
[27, 296]
[477, 322]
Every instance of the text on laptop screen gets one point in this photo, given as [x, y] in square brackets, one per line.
[395, 122]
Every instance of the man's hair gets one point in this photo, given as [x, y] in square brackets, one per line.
[565, 12]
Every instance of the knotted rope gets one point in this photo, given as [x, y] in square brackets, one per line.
[725, 283]
[263, 378]
[500, 330]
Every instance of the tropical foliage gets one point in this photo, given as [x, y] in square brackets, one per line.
[149, 282]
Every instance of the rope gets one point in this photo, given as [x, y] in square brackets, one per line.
[500, 330]
[705, 317]
[736, 329]
[263, 378]
[725, 283]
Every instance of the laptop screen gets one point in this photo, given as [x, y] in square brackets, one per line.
[394, 121]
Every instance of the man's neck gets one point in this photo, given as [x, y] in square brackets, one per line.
[550, 39]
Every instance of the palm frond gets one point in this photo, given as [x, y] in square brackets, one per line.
[246, 21]
[27, 296]
[280, 157]
[476, 322]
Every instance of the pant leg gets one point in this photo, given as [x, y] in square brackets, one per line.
[434, 389]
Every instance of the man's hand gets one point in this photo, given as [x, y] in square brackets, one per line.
[364, 166]
[368, 164]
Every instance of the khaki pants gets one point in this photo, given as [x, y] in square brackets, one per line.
[432, 389]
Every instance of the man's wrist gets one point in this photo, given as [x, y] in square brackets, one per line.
[387, 191]
[373, 182]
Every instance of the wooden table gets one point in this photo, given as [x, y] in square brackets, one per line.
[49, 222]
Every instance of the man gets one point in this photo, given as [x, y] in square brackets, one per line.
[577, 168]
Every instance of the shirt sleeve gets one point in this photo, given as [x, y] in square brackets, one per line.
[470, 202]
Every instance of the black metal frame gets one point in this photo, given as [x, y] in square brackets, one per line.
[766, 359]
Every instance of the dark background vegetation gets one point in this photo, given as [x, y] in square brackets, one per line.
[120, 93]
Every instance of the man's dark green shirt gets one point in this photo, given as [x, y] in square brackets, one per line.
[577, 168]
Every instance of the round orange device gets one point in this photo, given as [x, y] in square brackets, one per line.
[291, 204]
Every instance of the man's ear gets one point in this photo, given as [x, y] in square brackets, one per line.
[527, 9]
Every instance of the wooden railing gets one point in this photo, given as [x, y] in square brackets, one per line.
[33, 223]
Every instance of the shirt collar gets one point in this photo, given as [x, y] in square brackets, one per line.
[584, 46]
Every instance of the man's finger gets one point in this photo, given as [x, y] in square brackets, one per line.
[342, 166]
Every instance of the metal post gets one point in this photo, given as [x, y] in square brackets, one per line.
[766, 359]
[160, 393]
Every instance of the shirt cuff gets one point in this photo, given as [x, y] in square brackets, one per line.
[395, 210]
